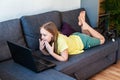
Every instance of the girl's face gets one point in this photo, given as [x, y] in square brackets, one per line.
[45, 35]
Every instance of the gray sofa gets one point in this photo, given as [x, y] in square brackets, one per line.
[118, 51]
[25, 31]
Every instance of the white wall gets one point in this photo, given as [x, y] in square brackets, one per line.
[11, 9]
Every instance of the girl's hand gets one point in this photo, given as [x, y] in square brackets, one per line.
[42, 47]
[49, 48]
[41, 44]
[63, 55]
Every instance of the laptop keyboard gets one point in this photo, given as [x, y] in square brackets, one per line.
[40, 65]
[43, 63]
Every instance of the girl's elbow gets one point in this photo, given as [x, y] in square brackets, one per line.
[64, 59]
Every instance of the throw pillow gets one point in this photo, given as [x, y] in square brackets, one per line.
[67, 29]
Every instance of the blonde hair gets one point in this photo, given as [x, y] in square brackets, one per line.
[52, 28]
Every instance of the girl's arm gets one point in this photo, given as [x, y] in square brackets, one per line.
[63, 55]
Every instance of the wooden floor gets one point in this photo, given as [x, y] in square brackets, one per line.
[111, 73]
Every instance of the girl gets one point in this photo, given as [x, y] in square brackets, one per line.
[59, 46]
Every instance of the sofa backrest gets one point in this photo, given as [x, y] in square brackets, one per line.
[71, 17]
[31, 25]
[9, 31]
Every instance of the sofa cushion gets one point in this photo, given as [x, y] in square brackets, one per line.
[9, 30]
[66, 29]
[88, 57]
[78, 65]
[71, 17]
[32, 23]
[9, 70]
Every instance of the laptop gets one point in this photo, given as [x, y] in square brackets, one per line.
[25, 57]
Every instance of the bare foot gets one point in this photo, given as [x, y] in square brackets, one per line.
[85, 27]
[81, 16]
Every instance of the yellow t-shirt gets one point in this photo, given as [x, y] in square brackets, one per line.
[73, 43]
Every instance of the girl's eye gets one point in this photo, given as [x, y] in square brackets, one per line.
[44, 34]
